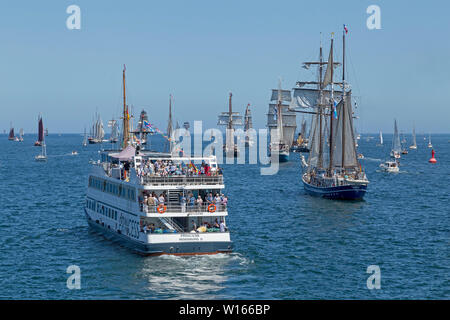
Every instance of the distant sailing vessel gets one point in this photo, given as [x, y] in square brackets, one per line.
[43, 155]
[40, 132]
[281, 122]
[142, 131]
[114, 137]
[231, 120]
[301, 144]
[414, 145]
[97, 132]
[11, 135]
[381, 139]
[85, 140]
[429, 141]
[168, 144]
[332, 170]
[396, 145]
[248, 124]
[20, 139]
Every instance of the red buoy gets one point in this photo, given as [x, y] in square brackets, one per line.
[432, 160]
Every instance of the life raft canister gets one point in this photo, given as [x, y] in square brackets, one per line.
[161, 208]
[212, 207]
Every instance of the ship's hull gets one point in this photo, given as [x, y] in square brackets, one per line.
[167, 248]
[94, 141]
[283, 157]
[346, 192]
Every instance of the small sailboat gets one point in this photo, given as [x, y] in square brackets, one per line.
[40, 132]
[43, 156]
[74, 153]
[20, 139]
[429, 142]
[390, 166]
[414, 145]
[85, 141]
[381, 140]
[396, 145]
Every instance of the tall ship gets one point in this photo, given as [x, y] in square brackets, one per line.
[281, 122]
[156, 203]
[248, 124]
[143, 130]
[332, 170]
[11, 135]
[231, 120]
[396, 145]
[301, 143]
[40, 138]
[97, 132]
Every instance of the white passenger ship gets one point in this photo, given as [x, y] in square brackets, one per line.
[118, 205]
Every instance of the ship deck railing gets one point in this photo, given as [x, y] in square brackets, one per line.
[182, 180]
[168, 209]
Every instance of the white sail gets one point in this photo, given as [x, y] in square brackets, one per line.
[381, 138]
[396, 145]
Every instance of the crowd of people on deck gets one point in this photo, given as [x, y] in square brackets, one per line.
[165, 168]
[151, 201]
[205, 226]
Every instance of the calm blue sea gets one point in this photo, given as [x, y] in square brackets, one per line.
[288, 245]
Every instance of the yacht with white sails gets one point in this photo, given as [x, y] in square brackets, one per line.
[158, 203]
[396, 145]
[97, 132]
[414, 145]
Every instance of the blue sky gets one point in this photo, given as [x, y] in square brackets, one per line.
[199, 51]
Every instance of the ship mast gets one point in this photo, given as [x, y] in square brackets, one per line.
[331, 64]
[279, 115]
[320, 162]
[126, 119]
[343, 98]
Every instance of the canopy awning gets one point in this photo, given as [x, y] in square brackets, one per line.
[126, 154]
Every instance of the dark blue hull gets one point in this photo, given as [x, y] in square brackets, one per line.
[283, 157]
[347, 192]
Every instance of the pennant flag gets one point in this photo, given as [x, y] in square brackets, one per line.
[345, 28]
[334, 109]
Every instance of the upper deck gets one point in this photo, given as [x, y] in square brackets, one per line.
[160, 170]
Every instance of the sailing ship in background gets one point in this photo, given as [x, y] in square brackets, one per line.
[380, 144]
[42, 157]
[114, 125]
[301, 144]
[11, 135]
[396, 145]
[248, 124]
[97, 133]
[282, 123]
[20, 139]
[85, 140]
[168, 144]
[142, 131]
[414, 145]
[332, 170]
[40, 138]
[429, 141]
[231, 120]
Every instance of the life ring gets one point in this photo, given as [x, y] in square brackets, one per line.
[212, 208]
[161, 208]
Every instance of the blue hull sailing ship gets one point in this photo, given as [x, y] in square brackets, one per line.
[332, 170]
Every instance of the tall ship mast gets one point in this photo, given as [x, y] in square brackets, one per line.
[231, 120]
[155, 203]
[168, 146]
[332, 170]
[114, 125]
[40, 131]
[142, 130]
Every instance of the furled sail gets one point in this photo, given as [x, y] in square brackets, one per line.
[285, 95]
[309, 98]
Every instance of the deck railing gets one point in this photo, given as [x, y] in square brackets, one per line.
[187, 208]
[182, 180]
